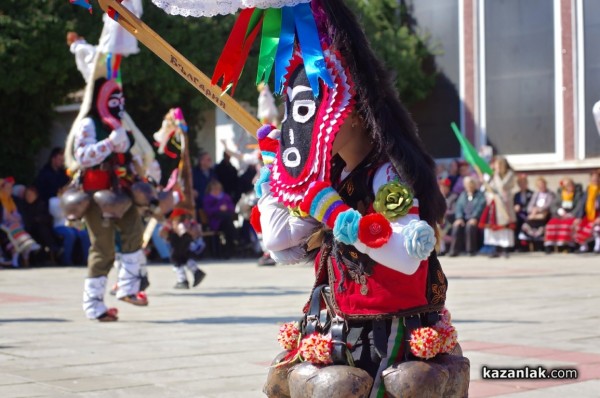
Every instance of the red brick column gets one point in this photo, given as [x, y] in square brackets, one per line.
[469, 70]
[568, 77]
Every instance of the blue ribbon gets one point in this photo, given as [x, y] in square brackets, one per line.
[109, 66]
[286, 46]
[312, 52]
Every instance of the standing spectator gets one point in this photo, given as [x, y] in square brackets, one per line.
[227, 175]
[498, 218]
[38, 221]
[201, 175]
[469, 207]
[520, 202]
[70, 235]
[559, 230]
[538, 213]
[52, 176]
[220, 212]
[588, 216]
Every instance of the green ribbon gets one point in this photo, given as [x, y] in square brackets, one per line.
[268, 45]
[254, 20]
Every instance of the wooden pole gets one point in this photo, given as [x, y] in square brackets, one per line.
[180, 64]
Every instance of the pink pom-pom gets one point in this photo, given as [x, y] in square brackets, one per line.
[289, 333]
[316, 348]
[446, 318]
[448, 337]
[425, 342]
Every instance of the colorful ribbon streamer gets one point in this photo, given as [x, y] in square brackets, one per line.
[310, 45]
[286, 46]
[268, 44]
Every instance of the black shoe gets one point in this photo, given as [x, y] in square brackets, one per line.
[453, 254]
[144, 283]
[198, 277]
[495, 255]
[182, 285]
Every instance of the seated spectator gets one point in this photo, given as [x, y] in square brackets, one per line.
[13, 237]
[445, 237]
[227, 175]
[465, 230]
[559, 230]
[588, 216]
[220, 213]
[464, 170]
[38, 221]
[520, 202]
[52, 176]
[71, 236]
[202, 173]
[538, 214]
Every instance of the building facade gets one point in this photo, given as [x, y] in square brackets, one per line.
[520, 76]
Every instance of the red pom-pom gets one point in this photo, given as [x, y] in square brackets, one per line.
[374, 230]
[255, 219]
[448, 337]
[269, 144]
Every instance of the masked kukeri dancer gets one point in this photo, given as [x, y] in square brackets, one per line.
[348, 183]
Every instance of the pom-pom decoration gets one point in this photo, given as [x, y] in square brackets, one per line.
[255, 219]
[425, 342]
[316, 348]
[448, 337]
[289, 336]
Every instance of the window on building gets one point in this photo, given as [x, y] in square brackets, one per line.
[439, 19]
[519, 76]
[591, 29]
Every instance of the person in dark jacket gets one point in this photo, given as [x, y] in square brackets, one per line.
[520, 202]
[465, 232]
[52, 176]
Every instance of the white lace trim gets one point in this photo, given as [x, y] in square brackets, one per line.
[210, 8]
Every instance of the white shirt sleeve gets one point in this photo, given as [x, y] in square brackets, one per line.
[88, 151]
[393, 254]
[283, 234]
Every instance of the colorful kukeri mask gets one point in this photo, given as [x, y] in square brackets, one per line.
[309, 128]
[111, 103]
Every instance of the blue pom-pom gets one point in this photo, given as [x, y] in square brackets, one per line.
[265, 176]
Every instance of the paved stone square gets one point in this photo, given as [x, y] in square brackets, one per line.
[217, 340]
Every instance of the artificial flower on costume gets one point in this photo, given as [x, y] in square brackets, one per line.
[393, 200]
[419, 239]
[374, 230]
[289, 336]
[425, 342]
[346, 226]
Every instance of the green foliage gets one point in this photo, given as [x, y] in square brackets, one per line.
[38, 71]
[388, 26]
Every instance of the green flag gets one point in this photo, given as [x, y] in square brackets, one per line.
[470, 153]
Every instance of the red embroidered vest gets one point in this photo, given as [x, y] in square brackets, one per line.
[364, 289]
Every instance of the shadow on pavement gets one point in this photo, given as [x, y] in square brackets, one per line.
[490, 321]
[230, 319]
[31, 320]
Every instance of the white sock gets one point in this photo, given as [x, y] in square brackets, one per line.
[597, 244]
[180, 272]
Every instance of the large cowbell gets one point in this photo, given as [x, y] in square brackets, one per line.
[309, 128]
[298, 124]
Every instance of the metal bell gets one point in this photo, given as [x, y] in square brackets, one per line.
[112, 204]
[74, 203]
